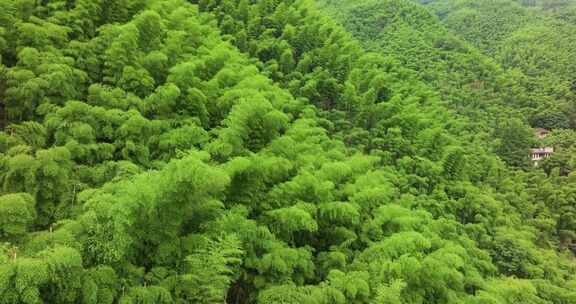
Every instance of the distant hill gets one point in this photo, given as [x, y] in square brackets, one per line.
[537, 39]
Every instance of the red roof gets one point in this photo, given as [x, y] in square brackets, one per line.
[541, 130]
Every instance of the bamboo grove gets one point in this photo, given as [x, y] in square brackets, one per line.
[257, 151]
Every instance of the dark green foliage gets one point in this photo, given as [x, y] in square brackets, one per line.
[534, 43]
[514, 142]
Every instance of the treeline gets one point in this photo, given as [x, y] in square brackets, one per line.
[251, 152]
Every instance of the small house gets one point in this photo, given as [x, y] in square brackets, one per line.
[539, 153]
[541, 132]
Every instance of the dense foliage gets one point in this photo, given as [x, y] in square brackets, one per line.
[214, 151]
[534, 38]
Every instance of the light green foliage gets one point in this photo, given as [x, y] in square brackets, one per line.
[146, 295]
[17, 213]
[45, 175]
[100, 286]
[212, 270]
[285, 222]
[40, 78]
[250, 124]
[52, 274]
[390, 294]
[219, 151]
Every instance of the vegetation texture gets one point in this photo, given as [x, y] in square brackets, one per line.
[286, 152]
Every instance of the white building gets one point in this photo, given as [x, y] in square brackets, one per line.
[539, 153]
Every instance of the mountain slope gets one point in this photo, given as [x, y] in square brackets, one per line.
[249, 152]
[472, 84]
[533, 41]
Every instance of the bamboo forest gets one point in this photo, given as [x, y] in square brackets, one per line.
[288, 151]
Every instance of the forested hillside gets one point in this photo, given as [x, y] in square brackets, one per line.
[256, 151]
[536, 39]
[471, 83]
